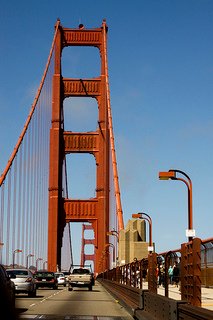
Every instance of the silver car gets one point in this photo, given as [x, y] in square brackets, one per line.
[24, 281]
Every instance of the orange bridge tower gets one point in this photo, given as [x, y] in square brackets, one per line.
[93, 210]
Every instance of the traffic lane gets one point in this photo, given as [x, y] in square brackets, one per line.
[25, 303]
[79, 302]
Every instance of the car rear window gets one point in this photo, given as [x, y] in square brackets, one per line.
[18, 272]
[80, 271]
[44, 274]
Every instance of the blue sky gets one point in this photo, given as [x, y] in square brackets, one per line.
[160, 56]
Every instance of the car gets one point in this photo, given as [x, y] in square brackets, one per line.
[7, 285]
[81, 277]
[66, 274]
[61, 278]
[24, 281]
[45, 278]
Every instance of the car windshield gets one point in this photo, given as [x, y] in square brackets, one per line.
[80, 271]
[18, 272]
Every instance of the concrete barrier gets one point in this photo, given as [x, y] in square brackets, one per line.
[146, 305]
[154, 306]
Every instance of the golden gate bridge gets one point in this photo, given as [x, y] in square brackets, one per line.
[35, 204]
[36, 207]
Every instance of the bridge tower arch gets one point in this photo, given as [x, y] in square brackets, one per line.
[94, 210]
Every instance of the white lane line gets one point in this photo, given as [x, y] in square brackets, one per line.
[31, 305]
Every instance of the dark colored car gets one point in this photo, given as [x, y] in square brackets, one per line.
[46, 279]
[7, 284]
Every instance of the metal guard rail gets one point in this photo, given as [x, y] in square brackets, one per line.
[125, 294]
[146, 305]
[191, 312]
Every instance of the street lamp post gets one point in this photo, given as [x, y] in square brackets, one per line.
[1, 246]
[171, 174]
[145, 216]
[28, 256]
[45, 262]
[152, 257]
[113, 248]
[38, 259]
[113, 233]
[14, 252]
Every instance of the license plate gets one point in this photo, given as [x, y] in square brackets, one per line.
[80, 282]
[43, 280]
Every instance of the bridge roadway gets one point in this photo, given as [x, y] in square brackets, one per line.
[77, 304]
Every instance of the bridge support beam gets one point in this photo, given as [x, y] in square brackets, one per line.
[95, 211]
[55, 174]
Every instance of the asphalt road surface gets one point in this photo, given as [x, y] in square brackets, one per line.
[77, 304]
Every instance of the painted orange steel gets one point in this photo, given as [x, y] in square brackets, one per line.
[112, 145]
[86, 257]
[191, 272]
[55, 210]
[166, 175]
[96, 210]
[171, 174]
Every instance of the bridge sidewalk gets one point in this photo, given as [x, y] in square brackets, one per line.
[174, 293]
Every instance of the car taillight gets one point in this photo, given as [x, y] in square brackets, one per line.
[62, 278]
[28, 279]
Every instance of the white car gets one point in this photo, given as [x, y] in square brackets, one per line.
[66, 274]
[61, 278]
[24, 281]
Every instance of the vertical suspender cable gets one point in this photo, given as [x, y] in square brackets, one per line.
[10, 161]
[24, 202]
[8, 215]
[1, 221]
[112, 143]
[27, 238]
[19, 216]
[17, 206]
[14, 232]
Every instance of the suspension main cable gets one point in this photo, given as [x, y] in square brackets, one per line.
[10, 161]
[112, 143]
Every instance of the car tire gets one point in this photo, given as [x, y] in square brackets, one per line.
[32, 294]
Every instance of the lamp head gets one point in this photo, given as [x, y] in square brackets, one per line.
[136, 215]
[167, 175]
[18, 250]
